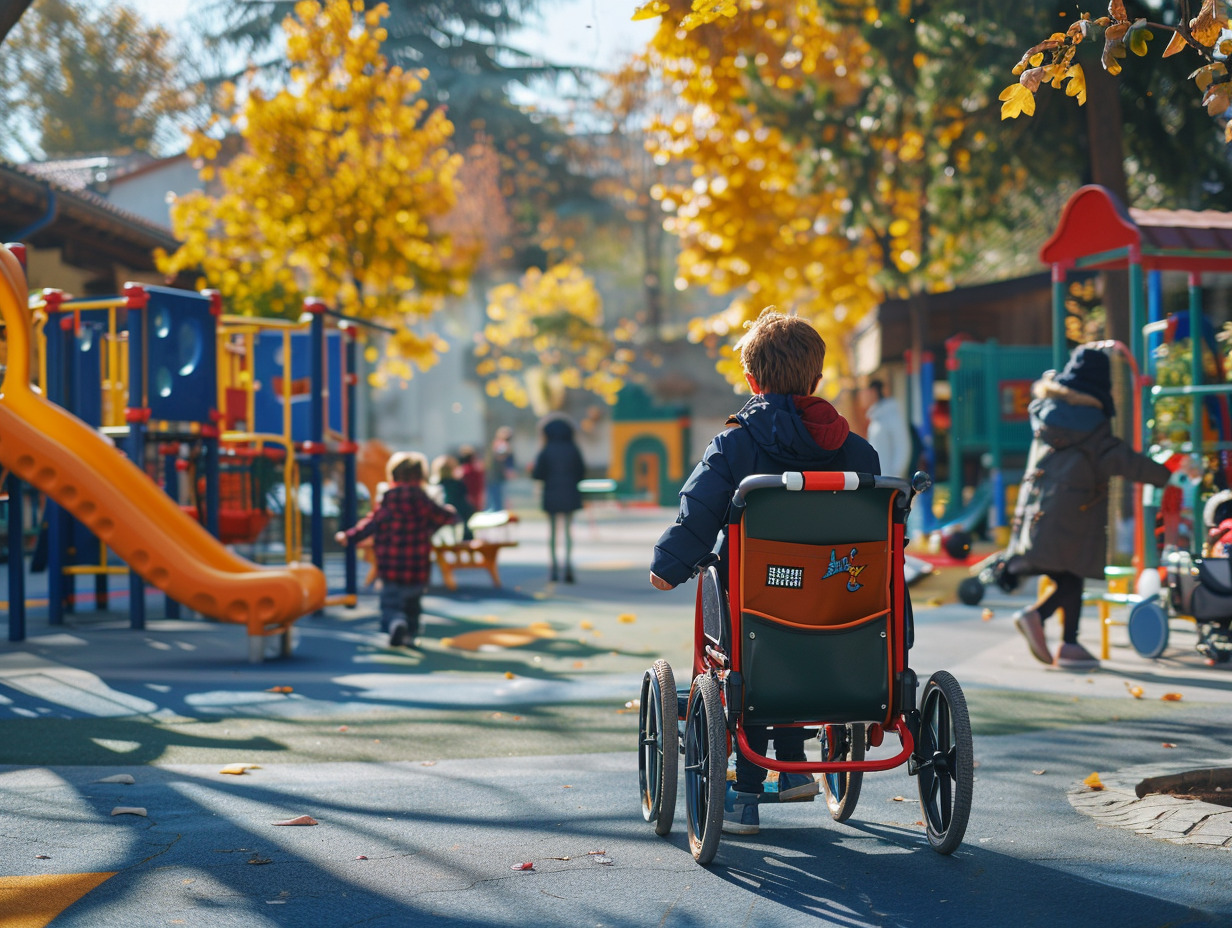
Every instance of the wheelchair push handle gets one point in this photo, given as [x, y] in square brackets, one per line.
[830, 480]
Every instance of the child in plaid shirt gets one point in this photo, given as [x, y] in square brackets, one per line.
[403, 523]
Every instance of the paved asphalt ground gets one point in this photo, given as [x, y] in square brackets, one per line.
[507, 741]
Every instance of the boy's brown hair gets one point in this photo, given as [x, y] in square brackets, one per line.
[406, 467]
[785, 354]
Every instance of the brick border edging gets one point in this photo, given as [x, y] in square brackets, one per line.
[1165, 818]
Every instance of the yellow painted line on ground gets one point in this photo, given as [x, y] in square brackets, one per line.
[33, 901]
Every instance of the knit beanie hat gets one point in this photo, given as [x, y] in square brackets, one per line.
[1088, 371]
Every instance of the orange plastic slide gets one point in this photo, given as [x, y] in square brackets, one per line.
[84, 472]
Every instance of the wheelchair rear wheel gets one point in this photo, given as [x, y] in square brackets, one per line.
[705, 767]
[944, 746]
[658, 746]
[842, 742]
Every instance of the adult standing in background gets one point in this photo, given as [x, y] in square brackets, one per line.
[887, 430]
[560, 466]
[501, 467]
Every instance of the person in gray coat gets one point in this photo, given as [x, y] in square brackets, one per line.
[560, 466]
[1060, 522]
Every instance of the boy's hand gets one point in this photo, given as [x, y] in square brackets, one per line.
[340, 537]
[659, 583]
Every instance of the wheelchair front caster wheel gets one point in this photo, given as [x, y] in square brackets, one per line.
[842, 743]
[944, 750]
[705, 767]
[658, 750]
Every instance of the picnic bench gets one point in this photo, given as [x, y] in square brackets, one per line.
[477, 553]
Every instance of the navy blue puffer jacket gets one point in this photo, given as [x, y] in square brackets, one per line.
[777, 433]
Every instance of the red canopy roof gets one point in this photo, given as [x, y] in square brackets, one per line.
[1094, 222]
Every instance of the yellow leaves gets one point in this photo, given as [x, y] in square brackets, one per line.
[1139, 35]
[1114, 47]
[650, 10]
[1016, 99]
[1210, 22]
[1171, 697]
[1077, 86]
[342, 182]
[707, 11]
[1093, 782]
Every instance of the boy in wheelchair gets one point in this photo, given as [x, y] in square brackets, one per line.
[783, 427]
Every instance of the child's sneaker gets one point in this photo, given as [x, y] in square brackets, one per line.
[399, 633]
[1031, 627]
[1076, 657]
[797, 787]
[740, 813]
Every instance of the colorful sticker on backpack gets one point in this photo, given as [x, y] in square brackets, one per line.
[845, 565]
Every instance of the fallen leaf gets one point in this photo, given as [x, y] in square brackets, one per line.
[128, 810]
[41, 857]
[1171, 697]
[567, 786]
[342, 728]
[1039, 773]
[517, 718]
[1093, 782]
[586, 624]
[427, 763]
[987, 615]
[259, 860]
[362, 857]
[1135, 691]
[627, 618]
[298, 820]
[593, 853]
[529, 865]
[509, 675]
[935, 601]
[1168, 744]
[898, 799]
[578, 665]
[280, 689]
[126, 778]
[238, 769]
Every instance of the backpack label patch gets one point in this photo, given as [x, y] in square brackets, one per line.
[789, 577]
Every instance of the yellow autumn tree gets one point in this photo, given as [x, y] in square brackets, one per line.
[339, 190]
[1053, 62]
[842, 152]
[545, 335]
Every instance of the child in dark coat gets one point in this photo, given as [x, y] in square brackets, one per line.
[403, 523]
[1060, 522]
[560, 466]
[782, 427]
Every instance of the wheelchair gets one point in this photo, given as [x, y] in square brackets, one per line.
[810, 630]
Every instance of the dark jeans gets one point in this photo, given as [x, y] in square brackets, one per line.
[400, 600]
[1068, 598]
[788, 745]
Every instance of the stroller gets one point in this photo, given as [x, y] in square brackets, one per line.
[810, 629]
[1199, 588]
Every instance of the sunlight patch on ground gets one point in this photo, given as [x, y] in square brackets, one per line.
[487, 638]
[33, 901]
